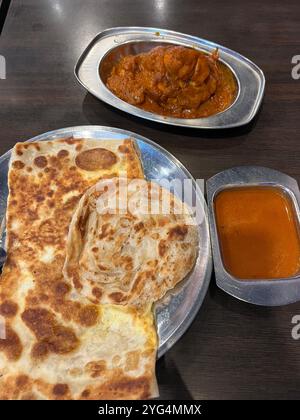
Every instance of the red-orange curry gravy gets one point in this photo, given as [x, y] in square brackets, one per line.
[258, 232]
[174, 81]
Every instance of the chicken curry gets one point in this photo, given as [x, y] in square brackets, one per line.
[174, 81]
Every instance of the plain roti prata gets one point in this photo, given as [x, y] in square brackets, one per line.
[133, 253]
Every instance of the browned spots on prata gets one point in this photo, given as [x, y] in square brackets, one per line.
[52, 337]
[79, 147]
[12, 240]
[85, 393]
[8, 308]
[126, 262]
[178, 232]
[71, 202]
[11, 345]
[48, 233]
[106, 230]
[51, 204]
[143, 278]
[39, 198]
[97, 292]
[44, 297]
[32, 300]
[82, 221]
[117, 297]
[162, 247]
[19, 150]
[163, 221]
[96, 369]
[62, 154]
[139, 226]
[73, 274]
[45, 278]
[88, 315]
[69, 140]
[32, 215]
[152, 263]
[40, 161]
[123, 148]
[95, 159]
[39, 350]
[21, 380]
[55, 166]
[61, 289]
[17, 164]
[127, 386]
[59, 390]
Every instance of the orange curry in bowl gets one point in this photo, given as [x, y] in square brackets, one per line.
[174, 81]
[258, 232]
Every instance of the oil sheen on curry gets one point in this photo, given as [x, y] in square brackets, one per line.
[258, 233]
[174, 81]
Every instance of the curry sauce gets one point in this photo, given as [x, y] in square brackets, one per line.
[258, 233]
[174, 81]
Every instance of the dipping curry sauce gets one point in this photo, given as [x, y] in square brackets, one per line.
[174, 81]
[258, 232]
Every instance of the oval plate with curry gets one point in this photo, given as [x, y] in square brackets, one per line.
[171, 78]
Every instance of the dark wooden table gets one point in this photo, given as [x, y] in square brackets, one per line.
[232, 350]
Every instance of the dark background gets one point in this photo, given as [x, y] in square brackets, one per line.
[232, 350]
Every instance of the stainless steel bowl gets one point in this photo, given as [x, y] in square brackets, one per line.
[109, 46]
[264, 292]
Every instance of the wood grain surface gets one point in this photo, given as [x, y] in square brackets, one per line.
[232, 350]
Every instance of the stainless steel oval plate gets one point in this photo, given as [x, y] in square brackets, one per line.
[109, 46]
[176, 311]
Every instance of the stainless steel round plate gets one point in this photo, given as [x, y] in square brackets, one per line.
[109, 46]
[176, 311]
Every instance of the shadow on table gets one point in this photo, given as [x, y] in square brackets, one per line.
[170, 382]
[96, 112]
[241, 308]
